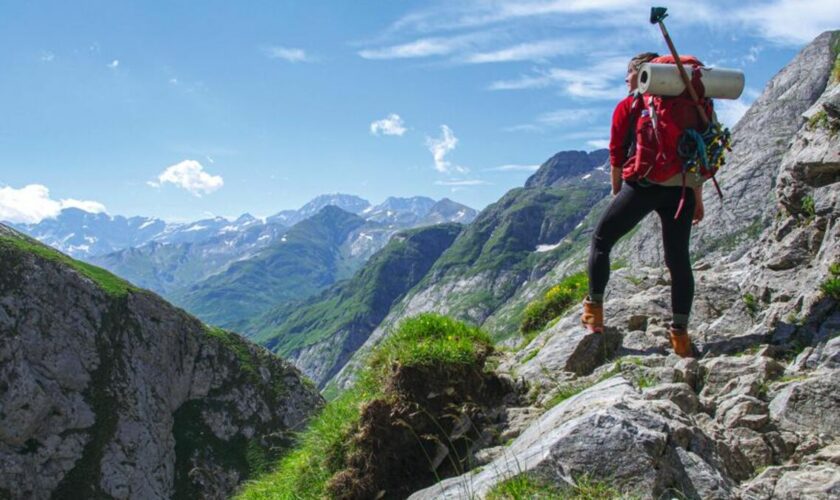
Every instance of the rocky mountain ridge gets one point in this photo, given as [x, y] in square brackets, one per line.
[88, 235]
[107, 391]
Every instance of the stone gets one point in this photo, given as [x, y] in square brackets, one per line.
[568, 347]
[742, 411]
[610, 419]
[812, 405]
[680, 394]
[792, 481]
[687, 370]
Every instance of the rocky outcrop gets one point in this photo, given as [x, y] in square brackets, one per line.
[754, 415]
[567, 166]
[107, 391]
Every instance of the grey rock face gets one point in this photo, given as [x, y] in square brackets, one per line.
[566, 347]
[124, 396]
[652, 447]
[811, 481]
[811, 405]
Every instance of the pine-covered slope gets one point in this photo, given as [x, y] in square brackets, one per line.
[107, 391]
[302, 263]
[323, 332]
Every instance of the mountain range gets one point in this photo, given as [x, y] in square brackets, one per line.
[106, 390]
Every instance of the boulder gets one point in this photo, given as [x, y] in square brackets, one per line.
[652, 446]
[811, 406]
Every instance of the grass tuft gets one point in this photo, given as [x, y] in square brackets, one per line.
[528, 486]
[323, 448]
[830, 287]
[555, 302]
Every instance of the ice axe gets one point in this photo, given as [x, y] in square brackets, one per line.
[657, 16]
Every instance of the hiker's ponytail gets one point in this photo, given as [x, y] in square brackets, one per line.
[638, 60]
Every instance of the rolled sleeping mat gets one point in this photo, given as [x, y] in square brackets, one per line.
[665, 80]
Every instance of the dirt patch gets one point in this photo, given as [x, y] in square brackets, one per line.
[427, 427]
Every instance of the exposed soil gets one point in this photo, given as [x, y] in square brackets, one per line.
[427, 428]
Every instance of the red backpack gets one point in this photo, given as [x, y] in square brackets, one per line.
[670, 137]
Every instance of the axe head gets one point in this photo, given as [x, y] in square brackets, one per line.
[657, 14]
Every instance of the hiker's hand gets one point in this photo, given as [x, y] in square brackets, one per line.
[699, 213]
[615, 180]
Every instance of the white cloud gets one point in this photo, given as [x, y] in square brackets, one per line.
[599, 143]
[390, 125]
[462, 182]
[789, 21]
[602, 80]
[730, 111]
[289, 54]
[189, 175]
[525, 52]
[515, 168]
[32, 204]
[566, 116]
[419, 48]
[47, 56]
[114, 64]
[440, 147]
[470, 14]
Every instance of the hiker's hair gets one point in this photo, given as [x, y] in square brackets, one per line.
[640, 59]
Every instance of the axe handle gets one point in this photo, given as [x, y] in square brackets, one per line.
[684, 75]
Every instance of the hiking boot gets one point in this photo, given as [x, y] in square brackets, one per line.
[681, 342]
[593, 316]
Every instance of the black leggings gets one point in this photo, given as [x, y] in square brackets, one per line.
[627, 209]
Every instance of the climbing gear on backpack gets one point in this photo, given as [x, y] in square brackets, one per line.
[677, 135]
[680, 342]
[593, 316]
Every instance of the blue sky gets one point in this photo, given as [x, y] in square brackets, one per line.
[184, 109]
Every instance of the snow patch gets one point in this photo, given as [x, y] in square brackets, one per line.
[146, 224]
[586, 177]
[547, 248]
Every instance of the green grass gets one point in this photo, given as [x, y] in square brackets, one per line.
[808, 207]
[830, 287]
[566, 391]
[110, 284]
[643, 381]
[426, 339]
[751, 303]
[527, 486]
[557, 300]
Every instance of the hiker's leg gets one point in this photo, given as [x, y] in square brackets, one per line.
[675, 237]
[627, 209]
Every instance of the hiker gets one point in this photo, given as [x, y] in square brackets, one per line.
[676, 206]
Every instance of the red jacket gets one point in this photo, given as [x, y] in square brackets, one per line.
[623, 118]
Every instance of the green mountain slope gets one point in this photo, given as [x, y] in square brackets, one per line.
[298, 266]
[321, 334]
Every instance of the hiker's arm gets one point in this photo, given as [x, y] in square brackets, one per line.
[699, 210]
[615, 178]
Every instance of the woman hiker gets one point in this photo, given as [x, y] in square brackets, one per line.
[632, 201]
